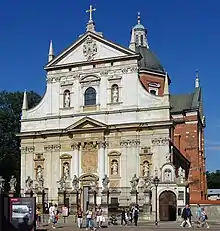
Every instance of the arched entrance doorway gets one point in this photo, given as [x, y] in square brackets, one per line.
[88, 196]
[167, 206]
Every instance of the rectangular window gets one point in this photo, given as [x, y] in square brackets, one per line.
[180, 195]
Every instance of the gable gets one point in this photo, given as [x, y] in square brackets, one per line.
[90, 47]
[87, 124]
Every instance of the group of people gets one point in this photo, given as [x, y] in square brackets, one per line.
[130, 216]
[200, 215]
[90, 217]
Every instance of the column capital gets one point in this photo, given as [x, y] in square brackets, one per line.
[75, 146]
[102, 144]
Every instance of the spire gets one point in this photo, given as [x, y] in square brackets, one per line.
[197, 79]
[90, 24]
[166, 85]
[139, 18]
[25, 102]
[50, 54]
[132, 42]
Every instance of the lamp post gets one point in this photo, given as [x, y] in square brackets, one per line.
[156, 182]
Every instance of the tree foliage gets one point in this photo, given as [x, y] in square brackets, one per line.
[213, 179]
[10, 115]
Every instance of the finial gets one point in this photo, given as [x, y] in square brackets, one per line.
[132, 45]
[51, 53]
[197, 79]
[139, 18]
[166, 85]
[90, 12]
[25, 102]
[90, 24]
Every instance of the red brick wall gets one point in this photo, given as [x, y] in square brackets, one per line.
[186, 139]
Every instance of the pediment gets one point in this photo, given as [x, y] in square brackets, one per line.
[90, 47]
[86, 123]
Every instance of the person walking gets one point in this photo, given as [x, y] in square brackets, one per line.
[198, 214]
[89, 219]
[38, 217]
[79, 218]
[186, 215]
[99, 217]
[53, 214]
[135, 215]
[124, 217]
[204, 219]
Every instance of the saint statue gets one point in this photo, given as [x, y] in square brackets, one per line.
[114, 167]
[180, 171]
[67, 99]
[29, 184]
[115, 94]
[62, 184]
[12, 183]
[75, 183]
[146, 169]
[40, 183]
[39, 174]
[105, 182]
[66, 170]
[167, 176]
[134, 183]
[2, 182]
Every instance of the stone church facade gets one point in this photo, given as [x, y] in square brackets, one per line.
[106, 114]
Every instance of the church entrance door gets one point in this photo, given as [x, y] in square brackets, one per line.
[167, 206]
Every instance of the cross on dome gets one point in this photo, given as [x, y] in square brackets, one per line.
[90, 12]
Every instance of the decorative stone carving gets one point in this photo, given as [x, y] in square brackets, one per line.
[88, 146]
[105, 182]
[29, 184]
[126, 143]
[75, 183]
[89, 48]
[115, 93]
[114, 167]
[52, 147]
[168, 157]
[102, 144]
[114, 183]
[167, 175]
[12, 184]
[146, 169]
[40, 183]
[62, 184]
[134, 183]
[160, 141]
[27, 149]
[66, 99]
[181, 174]
[39, 172]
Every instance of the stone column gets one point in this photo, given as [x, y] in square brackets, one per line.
[101, 160]
[76, 159]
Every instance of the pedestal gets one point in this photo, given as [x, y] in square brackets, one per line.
[147, 206]
[73, 202]
[11, 194]
[134, 197]
[28, 194]
[104, 204]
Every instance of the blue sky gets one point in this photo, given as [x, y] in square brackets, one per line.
[185, 35]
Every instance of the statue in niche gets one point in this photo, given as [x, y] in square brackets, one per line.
[29, 184]
[114, 168]
[168, 157]
[180, 171]
[40, 183]
[39, 173]
[66, 170]
[134, 183]
[167, 175]
[66, 99]
[115, 94]
[105, 182]
[75, 183]
[181, 174]
[13, 184]
[146, 169]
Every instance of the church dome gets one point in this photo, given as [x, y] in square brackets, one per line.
[139, 26]
[148, 60]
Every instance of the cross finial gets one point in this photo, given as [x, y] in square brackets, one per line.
[90, 12]
[139, 17]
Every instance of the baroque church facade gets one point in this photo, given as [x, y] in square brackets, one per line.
[107, 114]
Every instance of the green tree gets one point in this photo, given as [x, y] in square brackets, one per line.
[10, 115]
[213, 179]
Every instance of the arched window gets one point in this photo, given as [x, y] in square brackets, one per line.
[66, 98]
[114, 93]
[142, 40]
[137, 39]
[90, 96]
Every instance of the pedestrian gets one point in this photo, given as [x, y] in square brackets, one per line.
[79, 218]
[204, 219]
[99, 216]
[186, 214]
[53, 215]
[198, 214]
[89, 219]
[135, 215]
[124, 217]
[38, 217]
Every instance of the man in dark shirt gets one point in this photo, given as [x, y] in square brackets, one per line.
[186, 215]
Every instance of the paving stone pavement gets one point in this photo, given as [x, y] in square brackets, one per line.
[165, 226]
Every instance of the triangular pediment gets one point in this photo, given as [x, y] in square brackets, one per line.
[86, 123]
[90, 47]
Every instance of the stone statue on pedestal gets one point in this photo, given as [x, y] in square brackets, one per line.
[105, 182]
[40, 183]
[12, 184]
[29, 184]
[134, 183]
[75, 183]
[62, 184]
